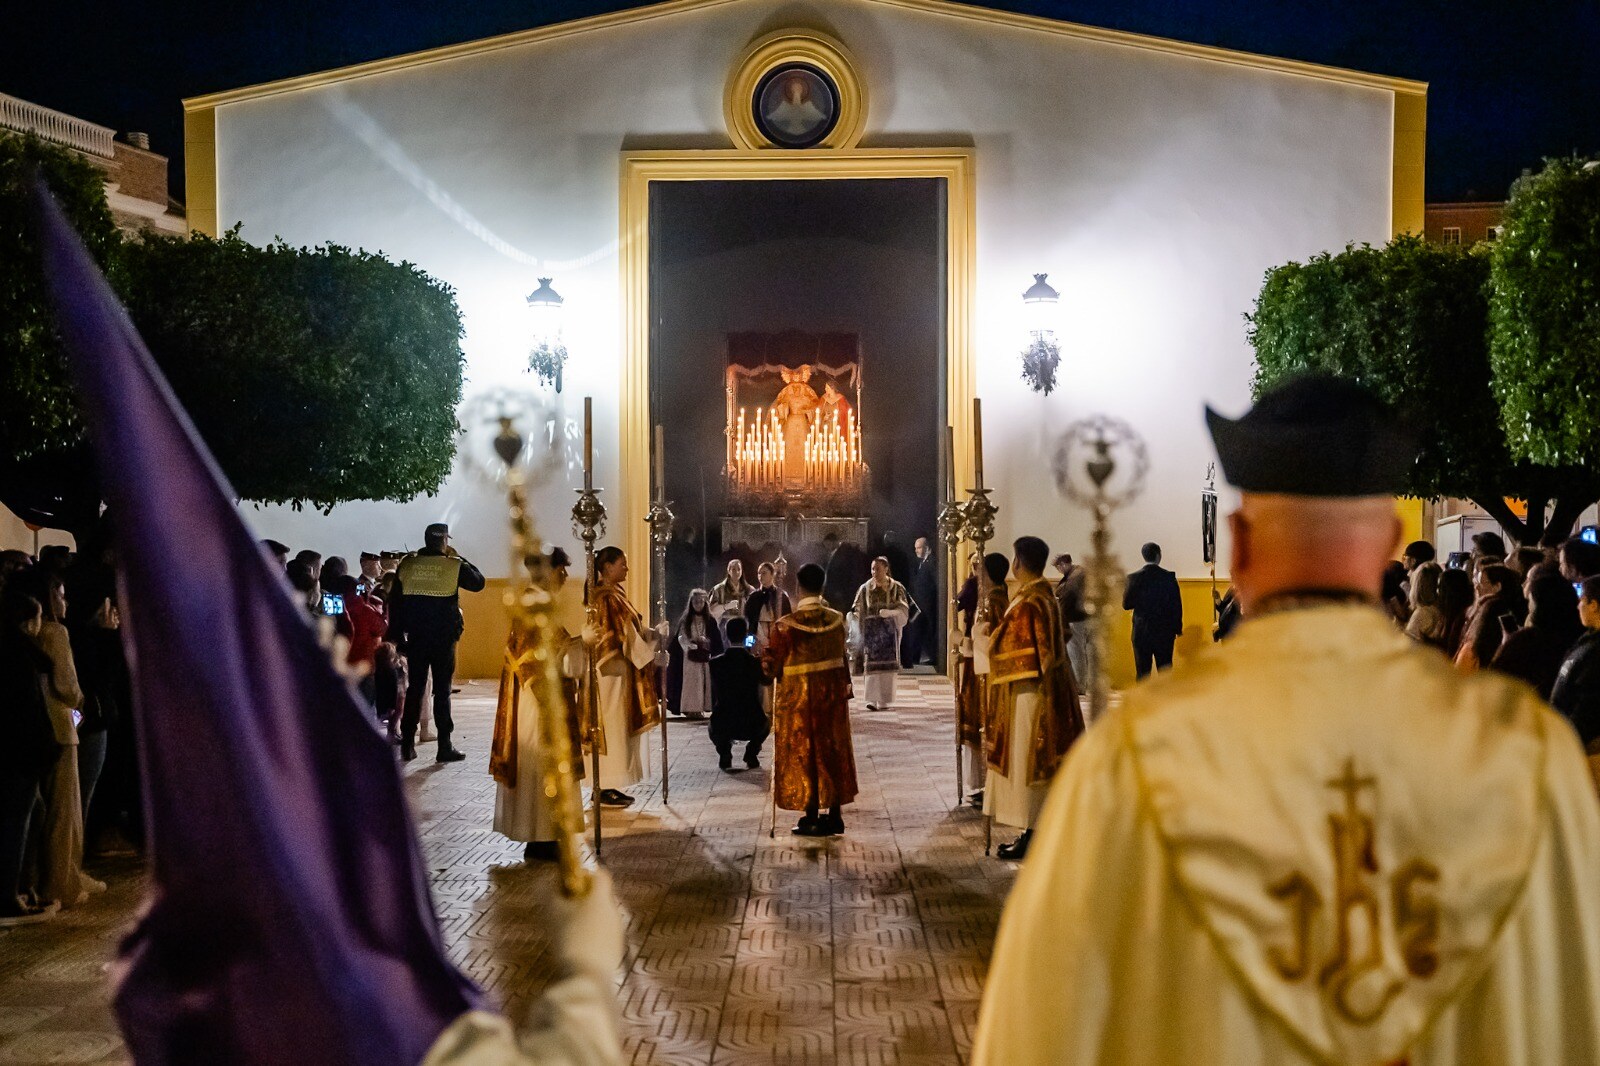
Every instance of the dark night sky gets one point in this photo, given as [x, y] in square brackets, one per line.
[1510, 82]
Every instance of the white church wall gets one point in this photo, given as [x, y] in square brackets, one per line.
[1154, 188]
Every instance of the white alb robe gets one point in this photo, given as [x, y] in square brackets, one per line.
[1158, 918]
[1008, 798]
[626, 758]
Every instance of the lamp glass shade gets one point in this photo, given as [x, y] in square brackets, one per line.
[544, 306]
[1039, 305]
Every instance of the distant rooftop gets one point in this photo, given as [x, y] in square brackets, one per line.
[20, 116]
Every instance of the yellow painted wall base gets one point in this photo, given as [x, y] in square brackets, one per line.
[483, 643]
[1197, 621]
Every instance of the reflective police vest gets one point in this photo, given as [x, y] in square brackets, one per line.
[430, 575]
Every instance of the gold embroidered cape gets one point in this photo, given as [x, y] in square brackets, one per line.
[520, 670]
[814, 760]
[969, 694]
[1314, 844]
[1028, 645]
[619, 623]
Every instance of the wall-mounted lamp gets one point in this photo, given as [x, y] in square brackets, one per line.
[548, 355]
[1041, 353]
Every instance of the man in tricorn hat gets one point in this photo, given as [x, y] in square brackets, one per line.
[1316, 842]
[425, 618]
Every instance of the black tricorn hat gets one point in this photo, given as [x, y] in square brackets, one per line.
[1315, 435]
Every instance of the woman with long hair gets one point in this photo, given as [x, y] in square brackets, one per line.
[1426, 623]
[1536, 651]
[1455, 605]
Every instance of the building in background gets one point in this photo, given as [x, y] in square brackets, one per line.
[136, 177]
[1464, 223]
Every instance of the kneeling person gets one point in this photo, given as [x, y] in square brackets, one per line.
[815, 765]
[736, 713]
[1033, 713]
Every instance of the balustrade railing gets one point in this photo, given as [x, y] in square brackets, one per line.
[54, 126]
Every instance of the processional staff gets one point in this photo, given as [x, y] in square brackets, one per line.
[530, 601]
[589, 525]
[951, 519]
[1088, 472]
[660, 521]
[978, 525]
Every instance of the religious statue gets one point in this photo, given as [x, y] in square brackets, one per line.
[793, 408]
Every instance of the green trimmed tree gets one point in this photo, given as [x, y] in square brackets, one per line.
[1409, 320]
[315, 375]
[1544, 319]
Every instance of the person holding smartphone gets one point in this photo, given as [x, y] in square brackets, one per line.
[736, 711]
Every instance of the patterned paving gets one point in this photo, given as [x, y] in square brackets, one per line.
[868, 949]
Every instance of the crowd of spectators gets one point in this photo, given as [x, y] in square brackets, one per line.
[357, 608]
[68, 779]
[1533, 614]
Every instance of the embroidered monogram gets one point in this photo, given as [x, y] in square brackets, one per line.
[1350, 975]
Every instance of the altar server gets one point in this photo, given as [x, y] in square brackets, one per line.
[979, 617]
[1315, 843]
[521, 809]
[813, 759]
[625, 652]
[1032, 713]
[882, 608]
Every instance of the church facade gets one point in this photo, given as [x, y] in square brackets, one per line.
[1152, 181]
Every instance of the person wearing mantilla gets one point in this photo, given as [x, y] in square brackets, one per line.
[882, 609]
[814, 764]
[521, 810]
[973, 658]
[1032, 715]
[1316, 843]
[626, 654]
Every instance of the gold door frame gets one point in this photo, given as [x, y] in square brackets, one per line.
[639, 169]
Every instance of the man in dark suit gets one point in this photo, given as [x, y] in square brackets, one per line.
[1152, 595]
[921, 635]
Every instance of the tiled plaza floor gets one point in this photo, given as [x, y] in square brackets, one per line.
[868, 949]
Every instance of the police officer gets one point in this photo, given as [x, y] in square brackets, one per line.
[425, 620]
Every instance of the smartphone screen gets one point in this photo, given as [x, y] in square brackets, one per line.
[750, 641]
[332, 604]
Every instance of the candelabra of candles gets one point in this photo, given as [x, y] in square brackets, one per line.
[829, 463]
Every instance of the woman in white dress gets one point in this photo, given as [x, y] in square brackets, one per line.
[699, 638]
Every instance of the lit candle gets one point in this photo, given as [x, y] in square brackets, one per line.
[977, 442]
[588, 443]
[661, 477]
[950, 461]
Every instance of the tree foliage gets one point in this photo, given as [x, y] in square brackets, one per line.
[1545, 317]
[37, 412]
[315, 375]
[1409, 320]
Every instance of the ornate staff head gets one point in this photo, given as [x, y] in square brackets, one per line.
[1100, 463]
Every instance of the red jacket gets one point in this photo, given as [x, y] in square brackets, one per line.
[363, 625]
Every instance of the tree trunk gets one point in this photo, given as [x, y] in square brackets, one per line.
[1515, 528]
[1563, 518]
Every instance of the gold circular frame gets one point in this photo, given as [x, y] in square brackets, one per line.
[795, 46]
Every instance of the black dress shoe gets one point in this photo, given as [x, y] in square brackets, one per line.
[725, 763]
[809, 827]
[832, 824]
[610, 797]
[1017, 850]
[753, 762]
[449, 755]
[408, 751]
[541, 851]
[976, 799]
